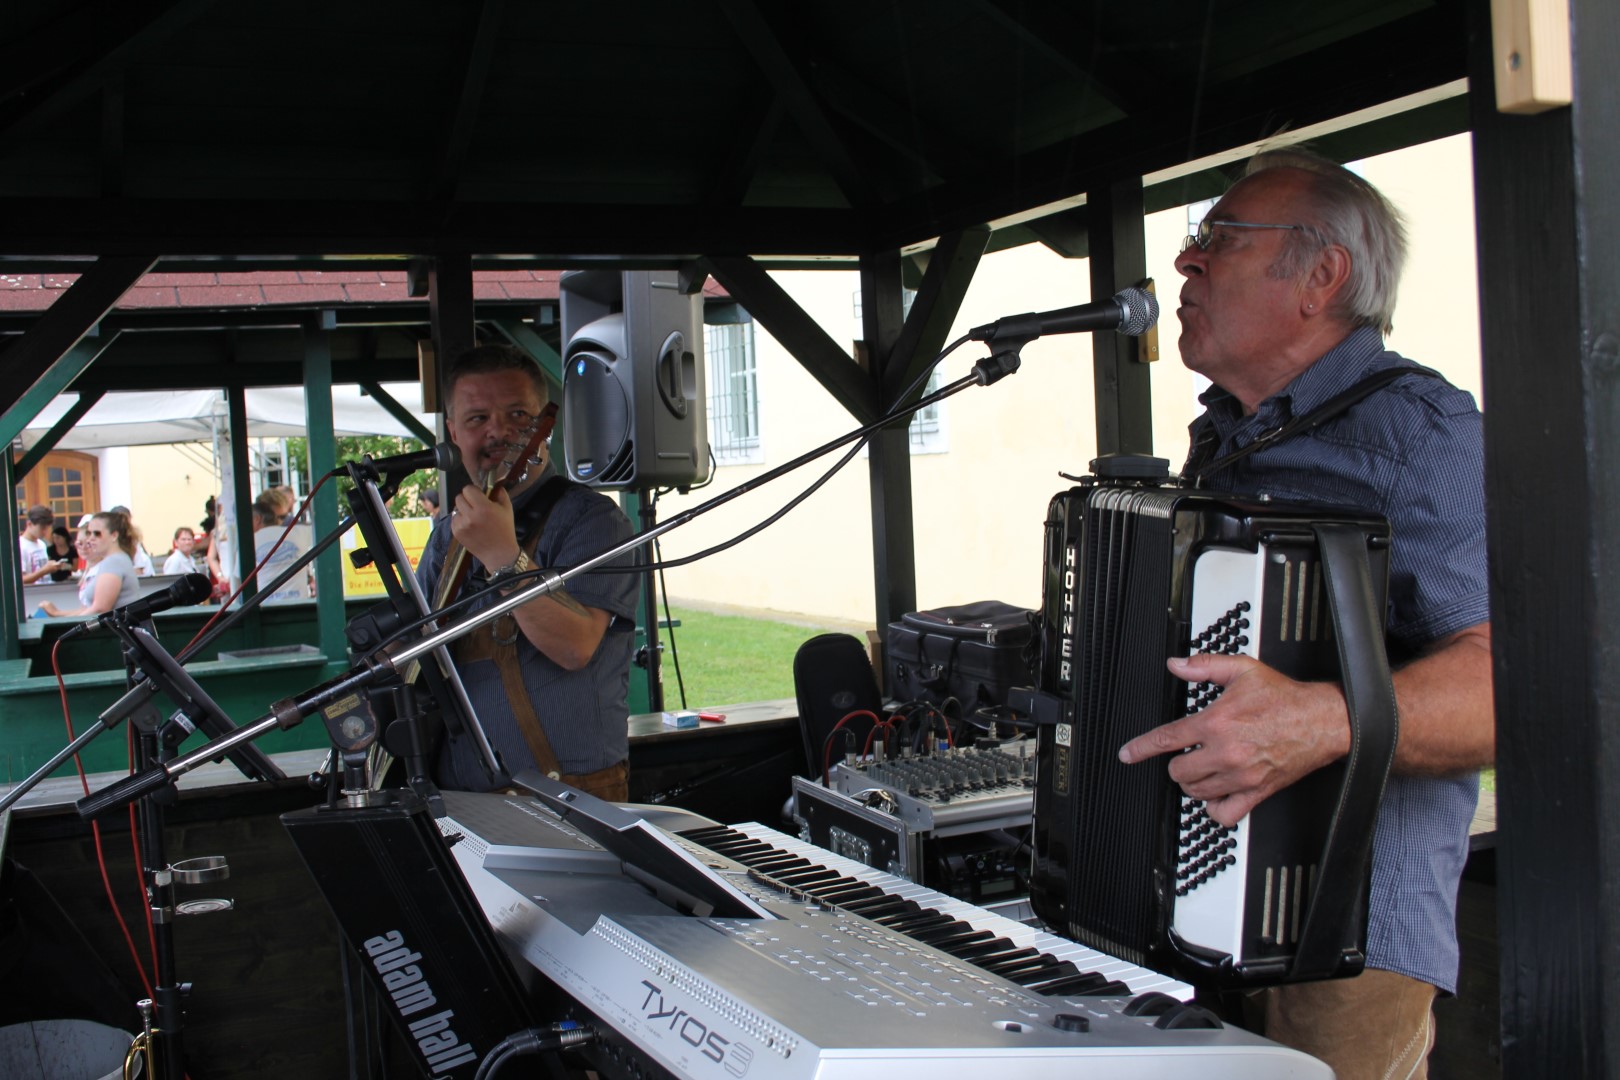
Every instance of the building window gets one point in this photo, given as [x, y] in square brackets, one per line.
[927, 428]
[733, 388]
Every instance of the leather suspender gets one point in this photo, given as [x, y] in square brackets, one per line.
[498, 640]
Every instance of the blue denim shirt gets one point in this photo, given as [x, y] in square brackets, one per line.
[1413, 452]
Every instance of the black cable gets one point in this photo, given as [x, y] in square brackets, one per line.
[536, 1040]
[674, 653]
[638, 568]
[767, 523]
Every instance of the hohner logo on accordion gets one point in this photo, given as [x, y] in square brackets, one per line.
[1123, 862]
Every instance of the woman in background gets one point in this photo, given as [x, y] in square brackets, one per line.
[61, 551]
[109, 575]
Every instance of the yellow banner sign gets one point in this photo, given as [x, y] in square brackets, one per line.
[413, 535]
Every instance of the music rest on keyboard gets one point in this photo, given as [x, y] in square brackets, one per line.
[849, 969]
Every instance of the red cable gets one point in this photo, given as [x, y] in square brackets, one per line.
[826, 744]
[886, 725]
[292, 521]
[95, 828]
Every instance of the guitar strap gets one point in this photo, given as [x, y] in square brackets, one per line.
[497, 640]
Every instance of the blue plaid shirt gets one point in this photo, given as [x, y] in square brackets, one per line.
[1413, 452]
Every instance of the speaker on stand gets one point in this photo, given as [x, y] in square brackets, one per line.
[634, 406]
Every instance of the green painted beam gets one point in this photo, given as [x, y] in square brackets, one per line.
[396, 410]
[11, 612]
[38, 365]
[69, 365]
[322, 460]
[48, 441]
[523, 335]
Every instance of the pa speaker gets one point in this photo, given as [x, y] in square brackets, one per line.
[634, 409]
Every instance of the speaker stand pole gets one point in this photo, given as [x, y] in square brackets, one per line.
[649, 597]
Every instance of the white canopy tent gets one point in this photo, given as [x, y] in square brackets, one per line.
[142, 418]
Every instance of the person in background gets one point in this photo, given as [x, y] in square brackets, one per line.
[142, 560]
[267, 537]
[184, 559]
[36, 557]
[109, 576]
[429, 499]
[205, 531]
[62, 553]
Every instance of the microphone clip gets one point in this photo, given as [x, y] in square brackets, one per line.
[998, 365]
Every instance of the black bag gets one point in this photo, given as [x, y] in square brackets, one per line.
[975, 653]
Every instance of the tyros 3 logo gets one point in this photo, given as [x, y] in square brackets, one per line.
[735, 1057]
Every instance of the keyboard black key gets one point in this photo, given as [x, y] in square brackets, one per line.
[950, 939]
[839, 894]
[887, 905]
[801, 878]
[926, 919]
[982, 948]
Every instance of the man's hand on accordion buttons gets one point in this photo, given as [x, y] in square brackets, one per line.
[1264, 732]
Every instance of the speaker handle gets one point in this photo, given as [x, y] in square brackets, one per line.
[670, 380]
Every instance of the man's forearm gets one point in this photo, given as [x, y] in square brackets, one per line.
[1447, 711]
[562, 628]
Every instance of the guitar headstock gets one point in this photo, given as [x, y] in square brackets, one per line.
[522, 452]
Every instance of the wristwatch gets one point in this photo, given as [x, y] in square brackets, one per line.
[521, 564]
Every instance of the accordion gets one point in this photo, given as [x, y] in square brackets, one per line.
[1123, 861]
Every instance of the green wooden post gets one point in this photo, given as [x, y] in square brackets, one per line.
[10, 567]
[322, 460]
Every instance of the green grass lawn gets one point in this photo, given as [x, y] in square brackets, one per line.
[726, 659]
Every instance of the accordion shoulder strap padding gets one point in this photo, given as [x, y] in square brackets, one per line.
[1369, 693]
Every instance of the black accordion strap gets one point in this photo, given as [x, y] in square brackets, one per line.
[1196, 468]
[1358, 622]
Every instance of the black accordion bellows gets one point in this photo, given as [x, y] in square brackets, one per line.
[1123, 861]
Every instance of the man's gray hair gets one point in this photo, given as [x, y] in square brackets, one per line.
[1350, 212]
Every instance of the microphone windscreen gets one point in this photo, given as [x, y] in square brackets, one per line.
[191, 589]
[1140, 309]
[446, 458]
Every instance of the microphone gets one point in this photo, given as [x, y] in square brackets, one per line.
[1130, 312]
[191, 589]
[443, 457]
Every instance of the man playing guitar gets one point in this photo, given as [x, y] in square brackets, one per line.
[549, 681]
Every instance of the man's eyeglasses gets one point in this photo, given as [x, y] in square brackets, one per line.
[1206, 231]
